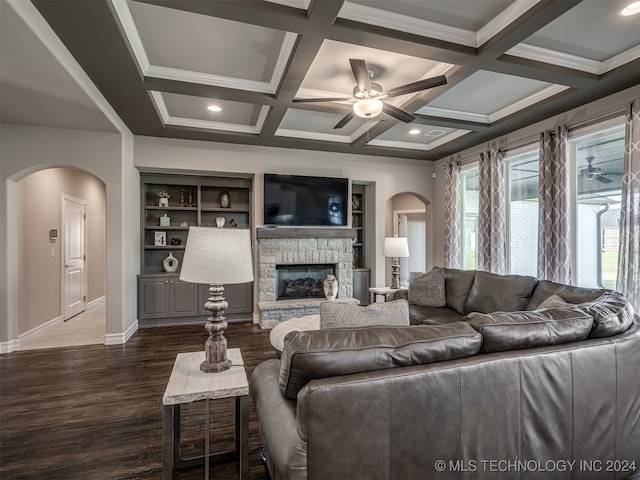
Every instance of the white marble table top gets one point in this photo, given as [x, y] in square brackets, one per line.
[189, 384]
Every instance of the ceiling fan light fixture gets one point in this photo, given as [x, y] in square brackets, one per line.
[368, 107]
[631, 9]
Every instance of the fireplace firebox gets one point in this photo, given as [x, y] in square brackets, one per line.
[302, 281]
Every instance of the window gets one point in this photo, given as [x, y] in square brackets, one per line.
[470, 218]
[598, 160]
[522, 183]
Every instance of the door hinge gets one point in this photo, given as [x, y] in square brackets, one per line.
[84, 298]
[84, 257]
[84, 216]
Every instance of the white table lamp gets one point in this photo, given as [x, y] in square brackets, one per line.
[395, 247]
[217, 256]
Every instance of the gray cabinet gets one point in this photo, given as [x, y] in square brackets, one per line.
[166, 296]
[361, 284]
[238, 296]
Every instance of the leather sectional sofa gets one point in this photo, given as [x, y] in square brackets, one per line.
[487, 386]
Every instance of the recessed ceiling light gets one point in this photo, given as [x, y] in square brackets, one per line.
[415, 131]
[631, 9]
[214, 108]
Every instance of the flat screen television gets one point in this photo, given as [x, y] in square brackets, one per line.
[297, 200]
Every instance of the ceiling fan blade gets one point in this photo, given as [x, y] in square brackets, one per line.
[395, 112]
[346, 119]
[603, 179]
[361, 73]
[417, 86]
[317, 100]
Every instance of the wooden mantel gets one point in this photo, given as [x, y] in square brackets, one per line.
[284, 232]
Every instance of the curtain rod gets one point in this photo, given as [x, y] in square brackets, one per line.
[472, 157]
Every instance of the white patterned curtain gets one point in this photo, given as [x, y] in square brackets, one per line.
[491, 213]
[452, 221]
[554, 261]
[629, 259]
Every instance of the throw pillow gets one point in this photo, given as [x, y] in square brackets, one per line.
[553, 301]
[427, 289]
[341, 315]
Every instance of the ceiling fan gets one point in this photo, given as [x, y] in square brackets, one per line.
[593, 173]
[368, 95]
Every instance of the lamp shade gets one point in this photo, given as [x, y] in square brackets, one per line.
[368, 107]
[396, 247]
[217, 256]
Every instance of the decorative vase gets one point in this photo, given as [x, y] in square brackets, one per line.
[163, 202]
[220, 221]
[170, 264]
[330, 287]
[165, 221]
[225, 200]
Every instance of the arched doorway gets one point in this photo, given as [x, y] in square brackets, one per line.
[44, 242]
[410, 218]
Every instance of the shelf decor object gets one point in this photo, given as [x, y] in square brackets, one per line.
[217, 256]
[225, 199]
[163, 198]
[395, 247]
[170, 264]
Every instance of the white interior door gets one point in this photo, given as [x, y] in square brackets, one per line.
[73, 276]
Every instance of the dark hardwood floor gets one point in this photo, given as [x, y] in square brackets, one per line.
[95, 412]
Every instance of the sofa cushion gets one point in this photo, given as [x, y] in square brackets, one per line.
[545, 288]
[340, 315]
[611, 312]
[554, 301]
[499, 293]
[327, 353]
[457, 285]
[427, 289]
[503, 331]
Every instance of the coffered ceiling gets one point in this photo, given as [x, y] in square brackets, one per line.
[508, 63]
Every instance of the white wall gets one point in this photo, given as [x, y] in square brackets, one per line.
[390, 175]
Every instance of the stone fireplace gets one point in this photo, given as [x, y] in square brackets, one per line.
[303, 257]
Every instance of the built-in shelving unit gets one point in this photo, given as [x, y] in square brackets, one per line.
[193, 201]
[361, 274]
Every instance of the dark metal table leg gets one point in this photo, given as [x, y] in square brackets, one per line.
[168, 441]
[242, 418]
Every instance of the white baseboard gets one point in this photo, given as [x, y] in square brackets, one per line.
[120, 338]
[13, 345]
[54, 322]
[9, 346]
[95, 301]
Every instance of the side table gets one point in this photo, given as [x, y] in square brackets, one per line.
[187, 384]
[384, 291]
